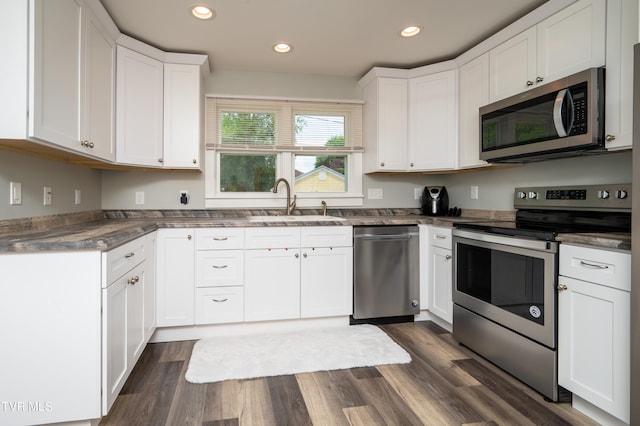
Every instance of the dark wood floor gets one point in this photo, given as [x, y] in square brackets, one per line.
[444, 384]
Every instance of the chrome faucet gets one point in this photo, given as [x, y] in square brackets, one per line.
[290, 204]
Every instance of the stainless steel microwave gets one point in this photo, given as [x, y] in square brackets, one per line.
[559, 119]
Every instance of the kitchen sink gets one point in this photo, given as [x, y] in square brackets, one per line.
[303, 218]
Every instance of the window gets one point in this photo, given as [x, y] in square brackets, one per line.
[316, 146]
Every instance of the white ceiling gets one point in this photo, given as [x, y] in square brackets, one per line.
[331, 37]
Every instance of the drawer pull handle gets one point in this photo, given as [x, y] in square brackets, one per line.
[441, 237]
[128, 255]
[218, 266]
[592, 265]
[220, 238]
[220, 300]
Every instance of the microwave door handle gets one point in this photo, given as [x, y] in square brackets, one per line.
[557, 113]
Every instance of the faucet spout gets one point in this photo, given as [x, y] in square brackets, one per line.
[290, 204]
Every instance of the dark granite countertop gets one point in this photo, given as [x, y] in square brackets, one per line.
[105, 230]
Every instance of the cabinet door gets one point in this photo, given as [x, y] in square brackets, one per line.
[441, 276]
[593, 344]
[114, 335]
[512, 65]
[98, 135]
[571, 40]
[139, 109]
[272, 284]
[182, 116]
[622, 34]
[150, 287]
[57, 33]
[392, 115]
[326, 283]
[175, 277]
[474, 93]
[136, 287]
[433, 132]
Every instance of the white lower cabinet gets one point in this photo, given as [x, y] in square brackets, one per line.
[440, 273]
[593, 327]
[307, 272]
[272, 283]
[127, 298]
[175, 277]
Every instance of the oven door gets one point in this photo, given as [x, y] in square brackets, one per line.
[508, 280]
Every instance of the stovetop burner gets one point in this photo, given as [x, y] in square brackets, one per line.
[543, 213]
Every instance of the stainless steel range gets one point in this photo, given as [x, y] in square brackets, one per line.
[506, 273]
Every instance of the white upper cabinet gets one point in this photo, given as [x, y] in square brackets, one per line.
[513, 65]
[622, 34]
[55, 106]
[182, 116]
[60, 90]
[433, 133]
[567, 42]
[385, 115]
[159, 109]
[139, 106]
[98, 112]
[474, 93]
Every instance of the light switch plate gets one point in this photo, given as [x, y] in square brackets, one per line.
[77, 194]
[47, 196]
[140, 197]
[474, 192]
[374, 193]
[15, 193]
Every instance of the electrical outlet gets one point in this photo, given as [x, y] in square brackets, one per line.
[47, 196]
[474, 192]
[374, 193]
[15, 193]
[417, 193]
[139, 197]
[77, 197]
[184, 197]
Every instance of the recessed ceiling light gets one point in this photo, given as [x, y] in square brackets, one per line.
[202, 12]
[410, 31]
[282, 47]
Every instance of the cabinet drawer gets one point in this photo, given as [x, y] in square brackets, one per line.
[326, 236]
[219, 238]
[219, 305]
[272, 237]
[219, 268]
[122, 259]
[440, 237]
[606, 267]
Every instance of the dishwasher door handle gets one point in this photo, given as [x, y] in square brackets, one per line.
[373, 237]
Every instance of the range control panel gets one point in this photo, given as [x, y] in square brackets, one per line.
[615, 197]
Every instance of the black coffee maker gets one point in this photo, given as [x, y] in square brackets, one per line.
[435, 201]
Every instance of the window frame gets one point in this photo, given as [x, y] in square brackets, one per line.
[285, 150]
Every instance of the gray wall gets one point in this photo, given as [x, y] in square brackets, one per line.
[35, 173]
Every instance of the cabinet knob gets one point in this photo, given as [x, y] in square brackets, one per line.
[539, 79]
[133, 280]
[194, 161]
[382, 164]
[296, 255]
[610, 138]
[411, 164]
[561, 287]
[304, 255]
[448, 257]
[160, 160]
[189, 237]
[529, 83]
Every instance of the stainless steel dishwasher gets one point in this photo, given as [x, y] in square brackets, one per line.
[386, 281]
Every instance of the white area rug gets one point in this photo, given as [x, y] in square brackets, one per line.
[273, 354]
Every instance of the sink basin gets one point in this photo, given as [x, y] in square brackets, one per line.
[303, 218]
